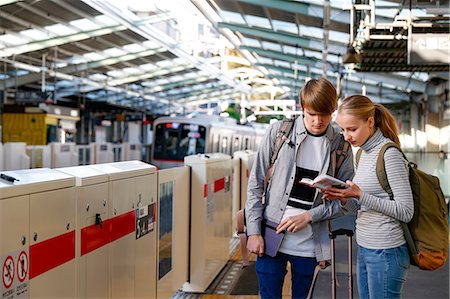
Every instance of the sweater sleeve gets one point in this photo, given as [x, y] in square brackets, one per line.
[402, 207]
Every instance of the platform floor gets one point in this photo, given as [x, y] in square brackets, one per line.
[420, 284]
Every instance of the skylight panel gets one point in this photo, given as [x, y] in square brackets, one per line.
[285, 26]
[271, 46]
[339, 36]
[232, 17]
[93, 56]
[264, 60]
[162, 81]
[106, 20]
[284, 64]
[133, 48]
[36, 34]
[60, 29]
[258, 21]
[150, 44]
[251, 42]
[84, 24]
[177, 60]
[116, 73]
[112, 52]
[148, 67]
[98, 77]
[311, 31]
[164, 63]
[176, 78]
[12, 40]
[77, 60]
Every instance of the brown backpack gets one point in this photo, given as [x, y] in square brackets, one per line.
[427, 232]
[337, 158]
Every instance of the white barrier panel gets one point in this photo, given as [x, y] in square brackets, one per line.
[211, 227]
[173, 243]
[133, 151]
[64, 154]
[37, 234]
[246, 158]
[86, 153]
[40, 156]
[103, 153]
[132, 248]
[118, 150]
[92, 231]
[14, 156]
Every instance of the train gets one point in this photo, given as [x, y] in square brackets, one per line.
[180, 136]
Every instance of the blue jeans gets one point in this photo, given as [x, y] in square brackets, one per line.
[272, 270]
[381, 272]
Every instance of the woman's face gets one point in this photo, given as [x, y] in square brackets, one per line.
[356, 130]
[316, 123]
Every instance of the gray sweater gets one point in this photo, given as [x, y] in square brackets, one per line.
[378, 223]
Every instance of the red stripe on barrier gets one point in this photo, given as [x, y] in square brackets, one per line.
[219, 184]
[51, 253]
[205, 190]
[93, 237]
[122, 225]
[246, 172]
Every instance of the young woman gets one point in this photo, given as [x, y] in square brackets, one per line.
[383, 258]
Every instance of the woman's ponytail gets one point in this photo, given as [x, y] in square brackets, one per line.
[386, 122]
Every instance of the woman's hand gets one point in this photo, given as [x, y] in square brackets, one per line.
[353, 191]
[294, 223]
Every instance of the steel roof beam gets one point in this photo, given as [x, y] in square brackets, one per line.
[25, 79]
[277, 36]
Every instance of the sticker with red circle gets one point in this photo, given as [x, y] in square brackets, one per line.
[8, 272]
[22, 266]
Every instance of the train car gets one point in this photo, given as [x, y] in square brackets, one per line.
[177, 137]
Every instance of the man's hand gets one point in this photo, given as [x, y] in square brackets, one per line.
[255, 244]
[294, 223]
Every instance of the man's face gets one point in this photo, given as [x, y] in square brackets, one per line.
[316, 123]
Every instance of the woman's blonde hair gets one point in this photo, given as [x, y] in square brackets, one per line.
[362, 107]
[319, 95]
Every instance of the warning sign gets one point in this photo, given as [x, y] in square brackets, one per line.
[15, 269]
[8, 272]
[145, 219]
[22, 266]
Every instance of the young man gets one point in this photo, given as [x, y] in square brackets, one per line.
[297, 208]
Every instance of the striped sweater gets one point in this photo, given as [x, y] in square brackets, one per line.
[378, 223]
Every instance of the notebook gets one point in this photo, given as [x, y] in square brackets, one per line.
[272, 240]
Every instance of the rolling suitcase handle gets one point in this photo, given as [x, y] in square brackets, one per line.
[333, 235]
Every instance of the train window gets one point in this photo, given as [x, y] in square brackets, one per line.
[223, 148]
[174, 141]
[236, 144]
[246, 140]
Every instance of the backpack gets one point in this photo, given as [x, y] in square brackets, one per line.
[337, 158]
[427, 232]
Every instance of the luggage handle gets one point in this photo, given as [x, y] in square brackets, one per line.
[340, 232]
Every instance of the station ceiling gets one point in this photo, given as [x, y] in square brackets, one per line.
[171, 56]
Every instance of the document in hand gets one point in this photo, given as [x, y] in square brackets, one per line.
[272, 240]
[324, 182]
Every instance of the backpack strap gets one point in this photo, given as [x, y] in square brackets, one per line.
[282, 138]
[338, 156]
[358, 156]
[381, 168]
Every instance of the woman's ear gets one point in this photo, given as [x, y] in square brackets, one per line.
[371, 122]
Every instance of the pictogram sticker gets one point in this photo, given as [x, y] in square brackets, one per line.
[22, 266]
[8, 272]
